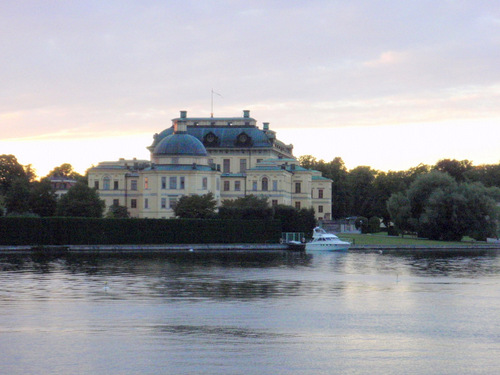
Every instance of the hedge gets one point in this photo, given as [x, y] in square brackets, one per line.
[90, 231]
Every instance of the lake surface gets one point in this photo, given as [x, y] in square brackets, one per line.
[350, 313]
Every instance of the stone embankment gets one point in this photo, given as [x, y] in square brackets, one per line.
[235, 248]
[142, 249]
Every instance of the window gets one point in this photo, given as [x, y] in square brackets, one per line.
[164, 203]
[297, 205]
[274, 202]
[96, 185]
[320, 193]
[275, 185]
[265, 183]
[237, 185]
[133, 185]
[146, 203]
[226, 185]
[116, 202]
[243, 165]
[182, 183]
[254, 185]
[226, 166]
[106, 182]
[204, 183]
[320, 209]
[115, 185]
[163, 183]
[172, 183]
[146, 183]
[297, 187]
[133, 203]
[217, 181]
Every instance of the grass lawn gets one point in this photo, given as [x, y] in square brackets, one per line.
[384, 239]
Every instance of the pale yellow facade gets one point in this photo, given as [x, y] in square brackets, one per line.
[228, 157]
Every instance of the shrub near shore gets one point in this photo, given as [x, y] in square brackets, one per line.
[90, 231]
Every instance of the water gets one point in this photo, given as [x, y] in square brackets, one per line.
[251, 314]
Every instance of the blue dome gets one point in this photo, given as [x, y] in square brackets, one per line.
[180, 144]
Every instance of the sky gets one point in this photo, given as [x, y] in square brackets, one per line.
[384, 83]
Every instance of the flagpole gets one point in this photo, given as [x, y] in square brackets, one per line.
[212, 103]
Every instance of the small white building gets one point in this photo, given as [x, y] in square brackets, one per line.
[228, 156]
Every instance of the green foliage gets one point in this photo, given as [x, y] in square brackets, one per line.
[42, 200]
[17, 197]
[422, 188]
[65, 170]
[456, 169]
[361, 223]
[10, 170]
[293, 220]
[399, 208]
[91, 231]
[249, 207]
[116, 211]
[439, 208]
[374, 224]
[196, 206]
[80, 201]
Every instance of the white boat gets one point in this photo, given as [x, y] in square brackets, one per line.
[323, 241]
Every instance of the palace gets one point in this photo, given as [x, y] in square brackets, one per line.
[230, 157]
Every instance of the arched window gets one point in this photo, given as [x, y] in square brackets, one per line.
[265, 184]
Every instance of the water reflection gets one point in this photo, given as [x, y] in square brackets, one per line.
[251, 314]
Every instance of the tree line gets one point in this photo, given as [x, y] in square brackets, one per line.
[22, 194]
[444, 201]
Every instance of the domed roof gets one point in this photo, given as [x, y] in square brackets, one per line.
[180, 144]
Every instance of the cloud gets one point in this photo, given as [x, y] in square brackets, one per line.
[86, 67]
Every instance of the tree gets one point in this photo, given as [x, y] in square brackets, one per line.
[308, 161]
[360, 187]
[439, 208]
[384, 185]
[42, 199]
[10, 170]
[250, 207]
[17, 197]
[399, 207]
[443, 216]
[481, 212]
[456, 169]
[488, 175]
[196, 206]
[80, 201]
[424, 185]
[293, 220]
[116, 211]
[64, 170]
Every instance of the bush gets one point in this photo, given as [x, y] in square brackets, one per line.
[91, 231]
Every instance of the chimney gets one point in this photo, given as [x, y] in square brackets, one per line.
[183, 114]
[266, 125]
[246, 113]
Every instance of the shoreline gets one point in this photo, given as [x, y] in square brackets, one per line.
[233, 248]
